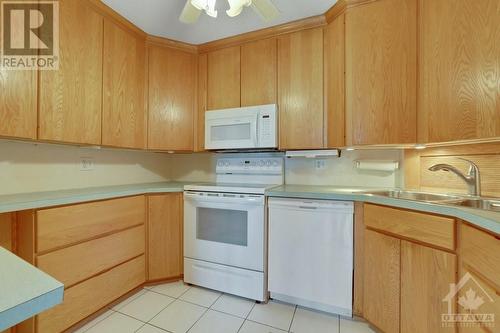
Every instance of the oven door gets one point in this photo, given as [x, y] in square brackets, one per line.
[231, 132]
[225, 228]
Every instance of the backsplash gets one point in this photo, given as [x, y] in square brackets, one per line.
[486, 157]
[29, 167]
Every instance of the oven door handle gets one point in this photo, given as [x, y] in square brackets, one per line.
[248, 200]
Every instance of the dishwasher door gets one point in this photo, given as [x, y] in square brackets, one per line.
[311, 251]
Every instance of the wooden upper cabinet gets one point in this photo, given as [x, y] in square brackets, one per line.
[300, 93]
[124, 111]
[335, 83]
[259, 72]
[201, 103]
[381, 72]
[71, 97]
[18, 95]
[172, 97]
[224, 78]
[459, 70]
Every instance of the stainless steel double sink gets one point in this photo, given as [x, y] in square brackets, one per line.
[445, 199]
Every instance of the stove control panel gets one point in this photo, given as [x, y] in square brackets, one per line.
[253, 165]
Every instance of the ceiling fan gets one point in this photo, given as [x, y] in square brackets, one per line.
[193, 9]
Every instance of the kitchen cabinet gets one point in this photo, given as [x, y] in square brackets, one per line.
[124, 82]
[459, 91]
[381, 286]
[18, 103]
[6, 229]
[97, 249]
[335, 82]
[426, 275]
[381, 72]
[300, 93]
[70, 102]
[201, 107]
[165, 236]
[406, 273]
[259, 72]
[172, 99]
[224, 79]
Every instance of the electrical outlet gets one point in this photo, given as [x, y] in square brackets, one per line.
[320, 164]
[86, 163]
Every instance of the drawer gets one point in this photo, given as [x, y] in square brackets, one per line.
[92, 295]
[481, 251]
[62, 226]
[79, 262]
[490, 296]
[431, 229]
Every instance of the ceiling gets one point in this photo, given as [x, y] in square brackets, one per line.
[161, 18]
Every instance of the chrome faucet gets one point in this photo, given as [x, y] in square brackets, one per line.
[472, 179]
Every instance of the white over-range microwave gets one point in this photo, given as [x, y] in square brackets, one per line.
[254, 127]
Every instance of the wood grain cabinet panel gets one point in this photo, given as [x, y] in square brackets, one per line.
[300, 92]
[62, 226]
[18, 103]
[426, 275]
[381, 287]
[172, 99]
[124, 78]
[481, 251]
[92, 295]
[381, 72]
[76, 263]
[431, 229]
[71, 97]
[201, 102]
[165, 230]
[459, 95]
[335, 83]
[259, 72]
[224, 79]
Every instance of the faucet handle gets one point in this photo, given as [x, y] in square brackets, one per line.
[473, 168]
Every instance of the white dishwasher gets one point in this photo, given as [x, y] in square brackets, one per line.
[311, 250]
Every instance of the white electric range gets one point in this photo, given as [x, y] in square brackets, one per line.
[225, 227]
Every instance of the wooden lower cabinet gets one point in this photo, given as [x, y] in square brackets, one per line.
[381, 289]
[90, 296]
[426, 275]
[165, 234]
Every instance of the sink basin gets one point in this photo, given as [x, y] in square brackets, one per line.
[486, 204]
[415, 196]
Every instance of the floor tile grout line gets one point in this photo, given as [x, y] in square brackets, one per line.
[273, 327]
[99, 320]
[197, 320]
[293, 317]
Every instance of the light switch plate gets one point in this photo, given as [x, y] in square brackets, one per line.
[320, 164]
[86, 164]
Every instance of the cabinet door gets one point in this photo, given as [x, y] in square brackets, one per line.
[300, 95]
[381, 70]
[165, 233]
[459, 70]
[123, 113]
[426, 275]
[70, 98]
[201, 103]
[335, 83]
[259, 72]
[381, 289]
[18, 95]
[172, 96]
[224, 79]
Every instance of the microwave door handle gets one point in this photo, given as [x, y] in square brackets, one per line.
[256, 132]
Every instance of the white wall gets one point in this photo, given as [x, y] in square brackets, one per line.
[29, 167]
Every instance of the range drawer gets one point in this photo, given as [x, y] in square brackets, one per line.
[79, 262]
[481, 251]
[90, 296]
[426, 228]
[62, 226]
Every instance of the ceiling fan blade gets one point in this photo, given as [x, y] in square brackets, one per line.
[266, 9]
[190, 13]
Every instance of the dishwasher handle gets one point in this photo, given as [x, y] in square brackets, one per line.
[312, 205]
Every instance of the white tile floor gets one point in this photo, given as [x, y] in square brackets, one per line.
[179, 308]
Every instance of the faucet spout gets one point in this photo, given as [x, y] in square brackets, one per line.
[472, 179]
